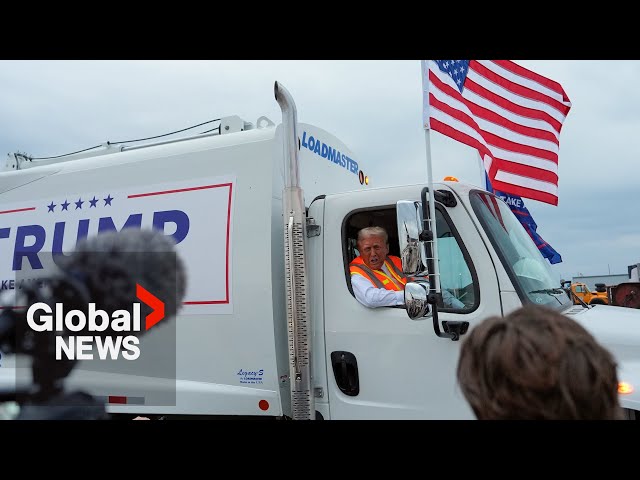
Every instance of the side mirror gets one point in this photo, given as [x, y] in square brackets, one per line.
[415, 299]
[412, 252]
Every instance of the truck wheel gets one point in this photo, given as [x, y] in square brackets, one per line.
[596, 302]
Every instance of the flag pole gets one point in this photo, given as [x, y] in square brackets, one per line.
[432, 214]
[483, 172]
[432, 204]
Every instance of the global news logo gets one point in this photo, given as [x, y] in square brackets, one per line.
[41, 317]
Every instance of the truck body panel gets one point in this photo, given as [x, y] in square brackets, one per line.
[229, 190]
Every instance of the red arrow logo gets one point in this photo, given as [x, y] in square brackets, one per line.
[152, 301]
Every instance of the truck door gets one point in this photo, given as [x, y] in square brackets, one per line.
[380, 363]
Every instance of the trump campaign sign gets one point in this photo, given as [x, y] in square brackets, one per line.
[197, 214]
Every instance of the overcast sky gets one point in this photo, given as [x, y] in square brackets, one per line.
[51, 108]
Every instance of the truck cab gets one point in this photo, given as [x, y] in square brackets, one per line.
[379, 363]
[580, 291]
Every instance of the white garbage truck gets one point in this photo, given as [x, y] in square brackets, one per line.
[265, 218]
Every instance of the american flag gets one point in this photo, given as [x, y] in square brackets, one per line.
[511, 115]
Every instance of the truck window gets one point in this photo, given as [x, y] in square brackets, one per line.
[456, 271]
[456, 275]
[529, 271]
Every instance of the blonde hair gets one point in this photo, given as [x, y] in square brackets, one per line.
[373, 232]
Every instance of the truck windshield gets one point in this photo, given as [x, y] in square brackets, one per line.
[529, 271]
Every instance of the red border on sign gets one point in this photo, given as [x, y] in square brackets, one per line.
[190, 189]
[18, 210]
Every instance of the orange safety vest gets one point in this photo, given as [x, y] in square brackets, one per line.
[378, 277]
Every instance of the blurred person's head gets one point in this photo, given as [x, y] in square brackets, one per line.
[537, 364]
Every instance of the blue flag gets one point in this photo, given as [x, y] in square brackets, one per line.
[517, 207]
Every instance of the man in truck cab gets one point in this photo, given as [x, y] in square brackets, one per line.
[376, 276]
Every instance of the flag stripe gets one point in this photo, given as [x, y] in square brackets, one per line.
[493, 116]
[544, 84]
[526, 171]
[444, 100]
[514, 146]
[518, 114]
[525, 188]
[527, 182]
[459, 120]
[505, 104]
[527, 192]
[494, 120]
[541, 163]
[511, 115]
[536, 195]
[468, 138]
[522, 167]
[520, 94]
[531, 106]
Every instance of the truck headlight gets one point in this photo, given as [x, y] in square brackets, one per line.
[624, 388]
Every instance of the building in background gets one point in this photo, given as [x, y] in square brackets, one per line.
[608, 280]
[634, 272]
